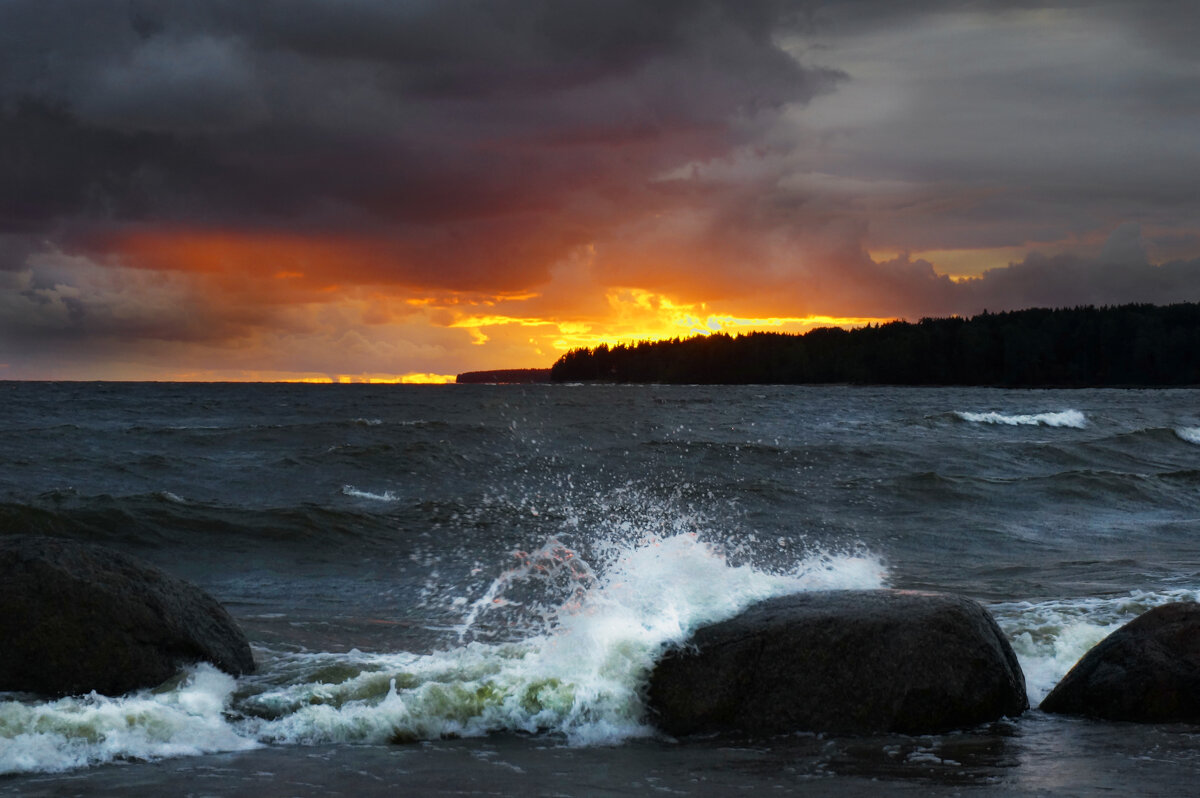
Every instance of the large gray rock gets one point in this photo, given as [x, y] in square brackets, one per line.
[1148, 670]
[75, 617]
[841, 661]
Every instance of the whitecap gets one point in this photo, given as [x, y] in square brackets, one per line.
[1063, 418]
[1189, 434]
[186, 719]
[386, 496]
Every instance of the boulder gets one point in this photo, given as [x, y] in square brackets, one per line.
[1148, 671]
[845, 661]
[75, 617]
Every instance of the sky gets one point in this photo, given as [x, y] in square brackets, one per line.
[401, 190]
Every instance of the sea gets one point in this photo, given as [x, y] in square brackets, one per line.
[461, 589]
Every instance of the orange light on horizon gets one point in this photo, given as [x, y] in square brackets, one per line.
[636, 315]
[413, 378]
[337, 302]
[711, 325]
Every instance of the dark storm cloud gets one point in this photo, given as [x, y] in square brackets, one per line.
[57, 169]
[168, 170]
[406, 120]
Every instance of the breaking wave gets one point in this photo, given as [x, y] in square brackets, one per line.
[1049, 637]
[1189, 434]
[1064, 418]
[555, 644]
[386, 496]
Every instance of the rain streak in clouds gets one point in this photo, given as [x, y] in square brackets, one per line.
[270, 189]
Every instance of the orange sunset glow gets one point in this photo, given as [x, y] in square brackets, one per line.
[363, 284]
[315, 196]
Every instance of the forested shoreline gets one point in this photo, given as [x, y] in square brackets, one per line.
[1127, 345]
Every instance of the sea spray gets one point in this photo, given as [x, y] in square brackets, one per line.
[563, 638]
[579, 675]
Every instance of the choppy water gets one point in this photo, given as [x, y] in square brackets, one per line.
[502, 564]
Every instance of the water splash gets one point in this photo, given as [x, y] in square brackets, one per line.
[558, 638]
[579, 668]
[184, 718]
[1049, 637]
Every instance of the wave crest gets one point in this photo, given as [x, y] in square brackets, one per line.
[580, 668]
[1063, 418]
[386, 496]
[1189, 434]
[186, 719]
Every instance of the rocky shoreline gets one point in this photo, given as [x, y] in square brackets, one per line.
[77, 617]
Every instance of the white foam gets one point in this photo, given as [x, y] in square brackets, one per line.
[1064, 418]
[580, 676]
[561, 641]
[1189, 434]
[60, 735]
[386, 496]
[1049, 637]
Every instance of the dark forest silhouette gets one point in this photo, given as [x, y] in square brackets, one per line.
[1082, 346]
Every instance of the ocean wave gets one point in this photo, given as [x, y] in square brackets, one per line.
[578, 671]
[386, 496]
[1049, 637]
[580, 676]
[1063, 418]
[185, 719]
[1189, 434]
[1122, 489]
[155, 519]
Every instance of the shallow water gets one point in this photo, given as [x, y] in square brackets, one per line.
[504, 563]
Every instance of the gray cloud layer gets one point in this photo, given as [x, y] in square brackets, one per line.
[369, 115]
[755, 151]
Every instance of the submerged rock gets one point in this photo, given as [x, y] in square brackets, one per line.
[1148, 671]
[75, 617]
[841, 661]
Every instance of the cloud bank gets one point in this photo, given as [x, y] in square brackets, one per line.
[371, 186]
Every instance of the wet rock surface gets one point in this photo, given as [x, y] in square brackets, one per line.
[844, 662]
[76, 617]
[1147, 671]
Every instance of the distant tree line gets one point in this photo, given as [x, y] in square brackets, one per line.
[1082, 346]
